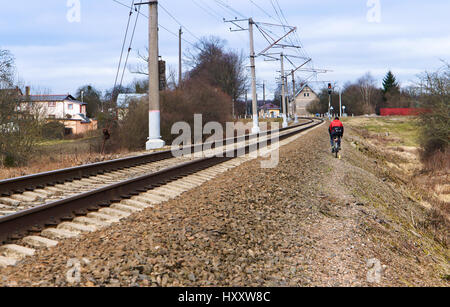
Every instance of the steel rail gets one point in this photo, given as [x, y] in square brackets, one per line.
[41, 180]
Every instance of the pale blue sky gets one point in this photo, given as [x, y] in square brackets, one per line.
[52, 53]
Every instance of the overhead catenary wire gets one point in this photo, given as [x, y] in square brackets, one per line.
[178, 22]
[129, 48]
[261, 9]
[123, 45]
[209, 12]
[228, 7]
[161, 26]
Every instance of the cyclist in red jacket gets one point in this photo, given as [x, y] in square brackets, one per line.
[336, 128]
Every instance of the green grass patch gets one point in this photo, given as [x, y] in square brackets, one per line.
[398, 131]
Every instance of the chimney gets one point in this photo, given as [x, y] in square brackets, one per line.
[27, 91]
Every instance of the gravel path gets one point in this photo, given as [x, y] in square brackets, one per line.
[312, 221]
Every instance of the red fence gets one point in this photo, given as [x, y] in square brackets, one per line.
[402, 111]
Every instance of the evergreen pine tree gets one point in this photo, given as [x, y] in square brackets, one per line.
[390, 83]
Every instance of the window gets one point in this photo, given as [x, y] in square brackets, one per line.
[52, 104]
[70, 106]
[305, 94]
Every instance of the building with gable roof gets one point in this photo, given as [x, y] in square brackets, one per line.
[64, 108]
[303, 98]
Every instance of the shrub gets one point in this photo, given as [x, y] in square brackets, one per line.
[53, 130]
[435, 132]
[195, 97]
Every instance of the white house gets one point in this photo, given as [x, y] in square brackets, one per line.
[63, 108]
[58, 106]
[304, 97]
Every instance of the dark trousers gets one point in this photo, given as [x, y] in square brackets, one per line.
[332, 140]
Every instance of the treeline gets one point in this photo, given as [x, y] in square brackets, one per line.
[364, 97]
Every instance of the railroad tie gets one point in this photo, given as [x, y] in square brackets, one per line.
[115, 213]
[126, 208]
[91, 222]
[135, 203]
[6, 261]
[39, 242]
[148, 200]
[58, 234]
[16, 251]
[75, 227]
[103, 217]
[151, 195]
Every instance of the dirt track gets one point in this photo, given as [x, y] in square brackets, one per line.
[312, 221]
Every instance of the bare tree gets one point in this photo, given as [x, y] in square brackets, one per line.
[219, 67]
[20, 120]
[7, 69]
[435, 97]
[368, 91]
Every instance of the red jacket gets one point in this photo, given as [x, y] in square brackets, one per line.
[336, 126]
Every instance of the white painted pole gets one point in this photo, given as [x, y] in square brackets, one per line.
[294, 101]
[283, 92]
[255, 128]
[154, 137]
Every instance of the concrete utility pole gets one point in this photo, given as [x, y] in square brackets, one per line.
[246, 104]
[255, 128]
[283, 92]
[264, 92]
[154, 138]
[294, 103]
[340, 103]
[180, 68]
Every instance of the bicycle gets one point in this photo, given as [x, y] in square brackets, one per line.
[336, 147]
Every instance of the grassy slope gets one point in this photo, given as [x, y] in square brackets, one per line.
[403, 131]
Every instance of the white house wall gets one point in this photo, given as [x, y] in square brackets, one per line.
[61, 109]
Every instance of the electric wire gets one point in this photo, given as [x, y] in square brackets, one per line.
[161, 26]
[207, 11]
[129, 48]
[123, 45]
[178, 22]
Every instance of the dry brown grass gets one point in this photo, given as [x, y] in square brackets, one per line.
[50, 163]
[427, 183]
[438, 162]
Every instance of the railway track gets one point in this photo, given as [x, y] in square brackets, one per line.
[18, 194]
[44, 225]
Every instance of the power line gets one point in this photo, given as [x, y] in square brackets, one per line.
[208, 11]
[161, 26]
[176, 20]
[212, 9]
[229, 8]
[261, 9]
[129, 48]
[281, 16]
[124, 42]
